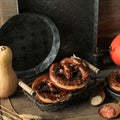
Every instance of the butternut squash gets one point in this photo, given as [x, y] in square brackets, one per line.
[8, 77]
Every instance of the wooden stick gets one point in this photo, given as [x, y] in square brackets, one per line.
[10, 115]
[92, 67]
[26, 88]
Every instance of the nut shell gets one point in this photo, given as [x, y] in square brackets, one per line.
[97, 98]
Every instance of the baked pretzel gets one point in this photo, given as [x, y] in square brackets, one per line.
[47, 92]
[73, 61]
[114, 80]
[69, 74]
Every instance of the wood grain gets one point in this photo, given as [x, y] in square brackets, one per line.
[8, 8]
[81, 111]
[108, 22]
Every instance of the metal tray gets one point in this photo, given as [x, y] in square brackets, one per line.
[34, 40]
[77, 97]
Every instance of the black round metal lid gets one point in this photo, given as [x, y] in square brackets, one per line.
[34, 40]
[113, 94]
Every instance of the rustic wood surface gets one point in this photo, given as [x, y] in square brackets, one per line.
[8, 8]
[81, 111]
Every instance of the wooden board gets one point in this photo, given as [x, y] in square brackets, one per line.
[8, 8]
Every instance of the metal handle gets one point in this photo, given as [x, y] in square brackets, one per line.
[92, 67]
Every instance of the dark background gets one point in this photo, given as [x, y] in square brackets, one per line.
[76, 21]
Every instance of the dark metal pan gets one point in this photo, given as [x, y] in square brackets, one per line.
[34, 40]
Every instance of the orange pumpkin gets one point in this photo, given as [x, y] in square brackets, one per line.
[115, 50]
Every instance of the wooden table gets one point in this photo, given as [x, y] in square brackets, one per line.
[81, 111]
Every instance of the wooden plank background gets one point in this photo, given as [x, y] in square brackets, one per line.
[8, 8]
[109, 22]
